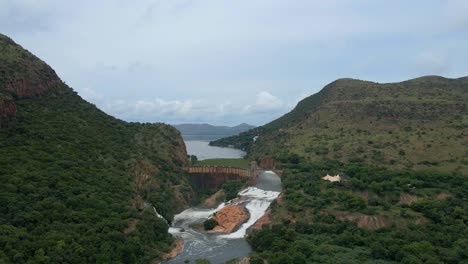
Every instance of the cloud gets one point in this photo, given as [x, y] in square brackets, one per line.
[90, 95]
[263, 106]
[153, 109]
[265, 102]
[233, 61]
[455, 17]
[431, 63]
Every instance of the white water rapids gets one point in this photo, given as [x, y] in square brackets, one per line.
[218, 248]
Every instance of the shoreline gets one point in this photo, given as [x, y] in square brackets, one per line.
[176, 250]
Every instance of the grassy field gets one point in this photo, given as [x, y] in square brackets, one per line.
[238, 163]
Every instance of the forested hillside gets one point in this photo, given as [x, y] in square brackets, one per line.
[77, 185]
[373, 215]
[400, 150]
[418, 124]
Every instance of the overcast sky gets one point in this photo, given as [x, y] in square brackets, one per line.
[227, 62]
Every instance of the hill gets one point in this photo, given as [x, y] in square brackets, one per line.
[417, 124]
[79, 186]
[209, 131]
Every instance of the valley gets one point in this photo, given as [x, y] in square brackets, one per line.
[81, 186]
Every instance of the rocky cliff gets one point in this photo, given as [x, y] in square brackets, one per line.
[22, 76]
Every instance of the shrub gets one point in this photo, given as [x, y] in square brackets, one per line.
[210, 224]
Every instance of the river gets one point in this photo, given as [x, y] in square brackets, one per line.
[219, 248]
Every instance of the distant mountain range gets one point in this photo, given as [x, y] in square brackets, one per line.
[210, 132]
[418, 124]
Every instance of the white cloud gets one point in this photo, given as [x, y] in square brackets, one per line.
[265, 102]
[245, 60]
[90, 94]
[262, 107]
[431, 63]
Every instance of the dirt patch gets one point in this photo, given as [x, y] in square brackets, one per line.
[131, 226]
[406, 198]
[178, 246]
[182, 197]
[212, 201]
[443, 196]
[137, 202]
[280, 200]
[421, 221]
[371, 222]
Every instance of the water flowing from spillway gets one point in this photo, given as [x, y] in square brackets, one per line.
[219, 248]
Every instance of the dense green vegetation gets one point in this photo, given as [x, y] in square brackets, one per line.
[209, 224]
[372, 216]
[229, 189]
[74, 180]
[236, 163]
[416, 124]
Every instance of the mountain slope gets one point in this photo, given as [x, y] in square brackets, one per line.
[78, 184]
[419, 124]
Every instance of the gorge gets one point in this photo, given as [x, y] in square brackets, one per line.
[81, 186]
[219, 247]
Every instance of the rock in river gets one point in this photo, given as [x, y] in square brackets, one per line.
[230, 217]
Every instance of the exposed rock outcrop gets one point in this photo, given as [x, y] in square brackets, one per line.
[230, 217]
[330, 178]
[178, 246]
[22, 88]
[371, 222]
[264, 220]
[267, 163]
[22, 75]
[213, 199]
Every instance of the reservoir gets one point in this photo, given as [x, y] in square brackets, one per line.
[203, 150]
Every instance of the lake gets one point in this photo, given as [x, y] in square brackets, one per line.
[203, 150]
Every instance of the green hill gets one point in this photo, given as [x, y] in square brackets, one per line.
[418, 124]
[77, 185]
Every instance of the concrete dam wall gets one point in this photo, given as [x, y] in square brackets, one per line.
[209, 177]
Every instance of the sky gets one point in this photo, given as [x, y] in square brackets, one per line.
[228, 62]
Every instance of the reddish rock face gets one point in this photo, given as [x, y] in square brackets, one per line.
[230, 217]
[25, 89]
[178, 246]
[23, 76]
